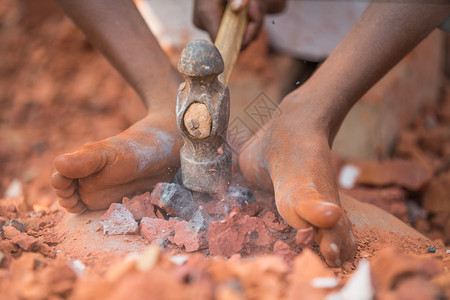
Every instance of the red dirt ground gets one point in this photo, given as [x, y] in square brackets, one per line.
[55, 88]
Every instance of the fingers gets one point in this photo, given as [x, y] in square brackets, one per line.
[207, 15]
[256, 12]
[238, 5]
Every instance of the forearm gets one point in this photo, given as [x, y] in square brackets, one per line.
[384, 34]
[118, 30]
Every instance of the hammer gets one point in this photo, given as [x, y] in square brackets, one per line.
[203, 106]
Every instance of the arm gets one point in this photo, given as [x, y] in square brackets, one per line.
[118, 30]
[384, 34]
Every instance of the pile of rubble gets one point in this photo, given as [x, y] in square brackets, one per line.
[172, 215]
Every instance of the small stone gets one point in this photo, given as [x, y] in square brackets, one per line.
[11, 232]
[431, 249]
[153, 229]
[240, 195]
[188, 237]
[140, 206]
[26, 242]
[281, 249]
[271, 222]
[306, 267]
[118, 220]
[16, 224]
[324, 282]
[359, 286]
[174, 200]
[305, 237]
[179, 259]
[46, 250]
[193, 235]
[239, 234]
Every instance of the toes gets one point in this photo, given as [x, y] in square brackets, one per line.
[302, 207]
[59, 181]
[319, 212]
[78, 208]
[70, 202]
[73, 203]
[87, 160]
[337, 244]
[331, 250]
[67, 192]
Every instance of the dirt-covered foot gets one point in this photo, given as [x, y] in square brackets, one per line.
[98, 174]
[292, 155]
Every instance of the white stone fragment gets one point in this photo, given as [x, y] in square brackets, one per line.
[358, 287]
[118, 220]
[77, 266]
[14, 189]
[178, 259]
[348, 176]
[324, 282]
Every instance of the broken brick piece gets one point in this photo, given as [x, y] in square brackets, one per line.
[186, 235]
[26, 242]
[411, 175]
[283, 250]
[175, 200]
[11, 232]
[154, 229]
[240, 195]
[305, 237]
[239, 234]
[140, 206]
[271, 222]
[118, 220]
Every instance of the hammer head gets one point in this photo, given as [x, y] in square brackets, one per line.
[203, 109]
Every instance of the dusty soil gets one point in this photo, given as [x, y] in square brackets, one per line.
[54, 88]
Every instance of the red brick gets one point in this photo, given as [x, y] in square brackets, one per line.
[11, 232]
[410, 175]
[175, 200]
[26, 242]
[437, 195]
[392, 199]
[188, 237]
[140, 206]
[272, 222]
[154, 229]
[118, 220]
[305, 238]
[283, 250]
[238, 234]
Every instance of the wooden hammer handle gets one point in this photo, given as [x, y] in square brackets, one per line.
[229, 39]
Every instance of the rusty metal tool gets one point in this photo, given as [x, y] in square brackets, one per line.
[203, 106]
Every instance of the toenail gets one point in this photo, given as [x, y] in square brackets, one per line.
[334, 247]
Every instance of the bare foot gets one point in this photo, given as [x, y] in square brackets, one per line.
[293, 157]
[98, 174]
